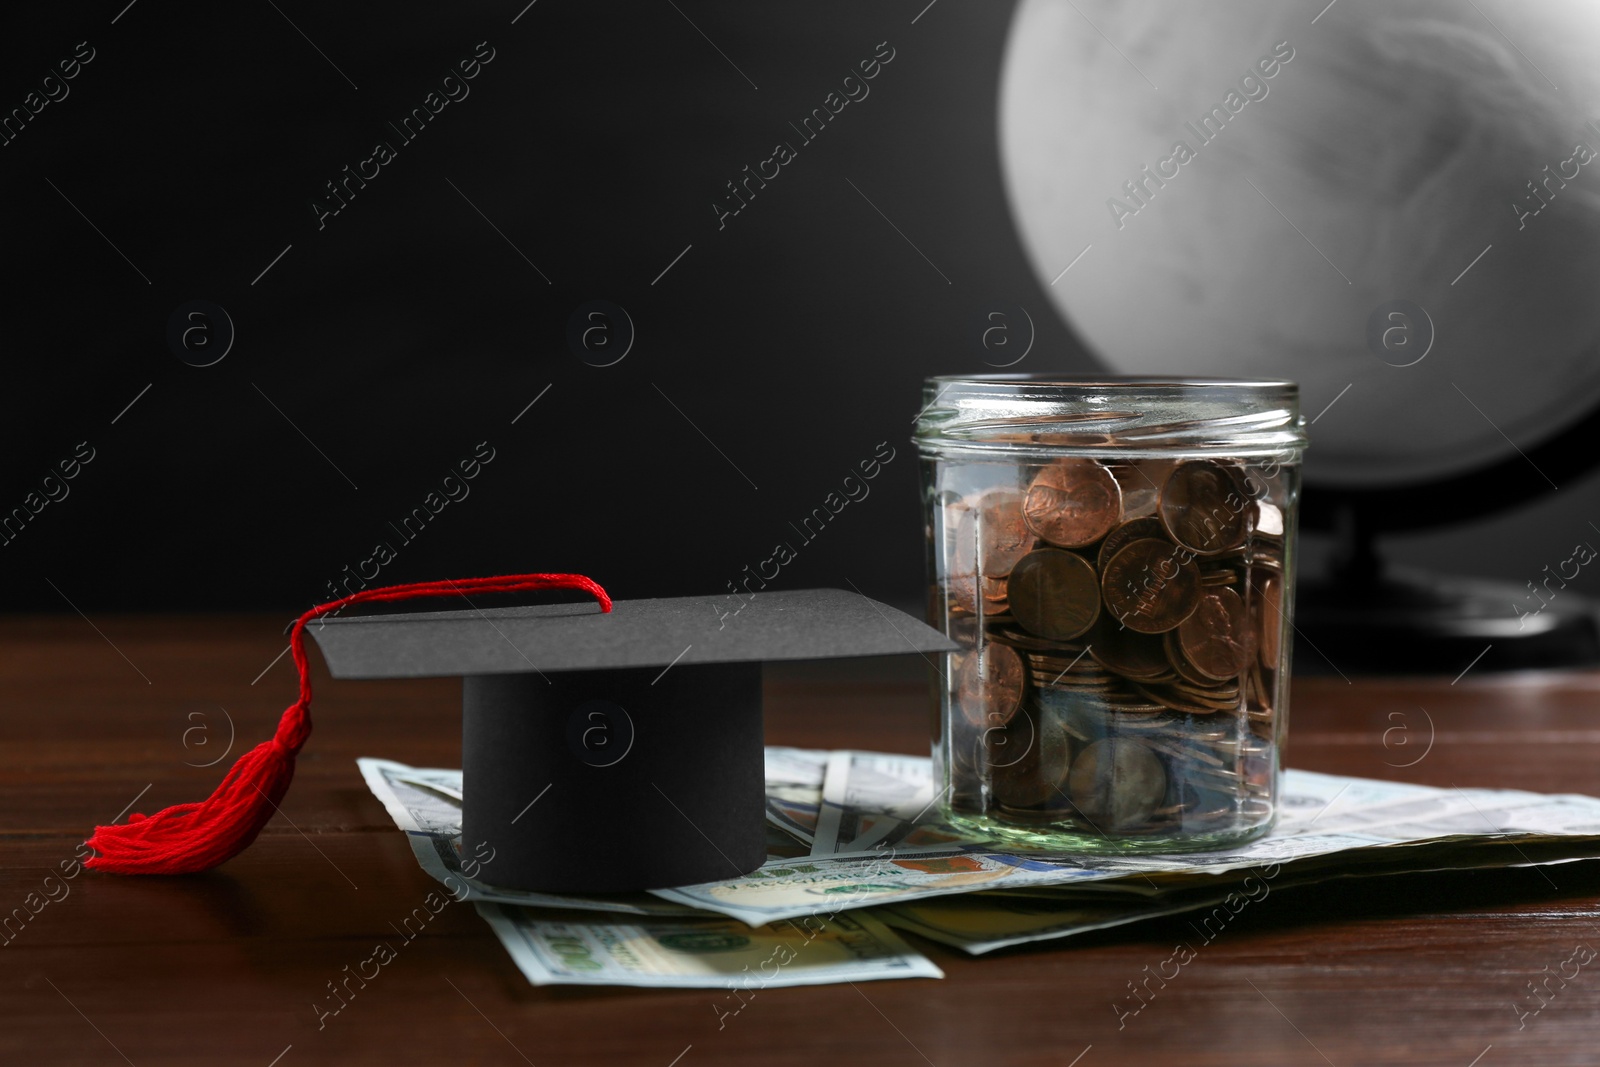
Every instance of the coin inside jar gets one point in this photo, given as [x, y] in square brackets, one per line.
[1054, 593]
[1002, 535]
[1150, 586]
[1126, 534]
[1030, 776]
[1117, 783]
[1216, 638]
[1127, 651]
[992, 595]
[1204, 507]
[1271, 622]
[990, 536]
[989, 685]
[1073, 503]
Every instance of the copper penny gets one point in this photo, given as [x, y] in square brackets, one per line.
[989, 685]
[1117, 783]
[986, 596]
[1187, 673]
[1126, 534]
[1029, 767]
[1150, 586]
[960, 563]
[1054, 594]
[1216, 638]
[1271, 621]
[990, 535]
[1003, 536]
[1073, 503]
[962, 592]
[1126, 651]
[1204, 507]
[963, 631]
[1257, 698]
[1164, 696]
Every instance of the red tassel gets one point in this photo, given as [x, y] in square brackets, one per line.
[187, 838]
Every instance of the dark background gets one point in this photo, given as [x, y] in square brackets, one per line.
[771, 358]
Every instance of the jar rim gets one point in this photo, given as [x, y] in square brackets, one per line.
[1118, 381]
[1064, 413]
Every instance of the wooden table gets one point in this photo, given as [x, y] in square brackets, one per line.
[224, 968]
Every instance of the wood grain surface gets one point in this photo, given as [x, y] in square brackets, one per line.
[224, 968]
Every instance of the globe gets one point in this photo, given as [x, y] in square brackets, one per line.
[1396, 205]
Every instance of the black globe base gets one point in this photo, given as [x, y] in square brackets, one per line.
[1365, 617]
[1420, 623]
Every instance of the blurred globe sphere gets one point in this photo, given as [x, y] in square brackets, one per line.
[1423, 159]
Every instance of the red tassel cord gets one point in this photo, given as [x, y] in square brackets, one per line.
[187, 838]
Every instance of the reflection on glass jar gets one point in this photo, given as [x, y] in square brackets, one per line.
[1116, 560]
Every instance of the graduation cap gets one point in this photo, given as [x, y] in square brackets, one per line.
[605, 747]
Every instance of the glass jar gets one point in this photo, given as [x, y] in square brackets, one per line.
[1116, 559]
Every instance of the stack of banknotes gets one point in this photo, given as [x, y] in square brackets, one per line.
[856, 852]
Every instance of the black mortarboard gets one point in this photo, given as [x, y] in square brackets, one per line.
[605, 752]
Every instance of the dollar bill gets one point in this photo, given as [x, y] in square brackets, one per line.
[559, 938]
[1401, 812]
[874, 844]
[794, 790]
[871, 797]
[1328, 822]
[980, 923]
[985, 922]
[556, 948]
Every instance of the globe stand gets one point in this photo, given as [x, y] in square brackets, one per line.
[1365, 618]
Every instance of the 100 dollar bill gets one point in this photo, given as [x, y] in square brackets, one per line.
[1327, 821]
[1328, 825]
[708, 953]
